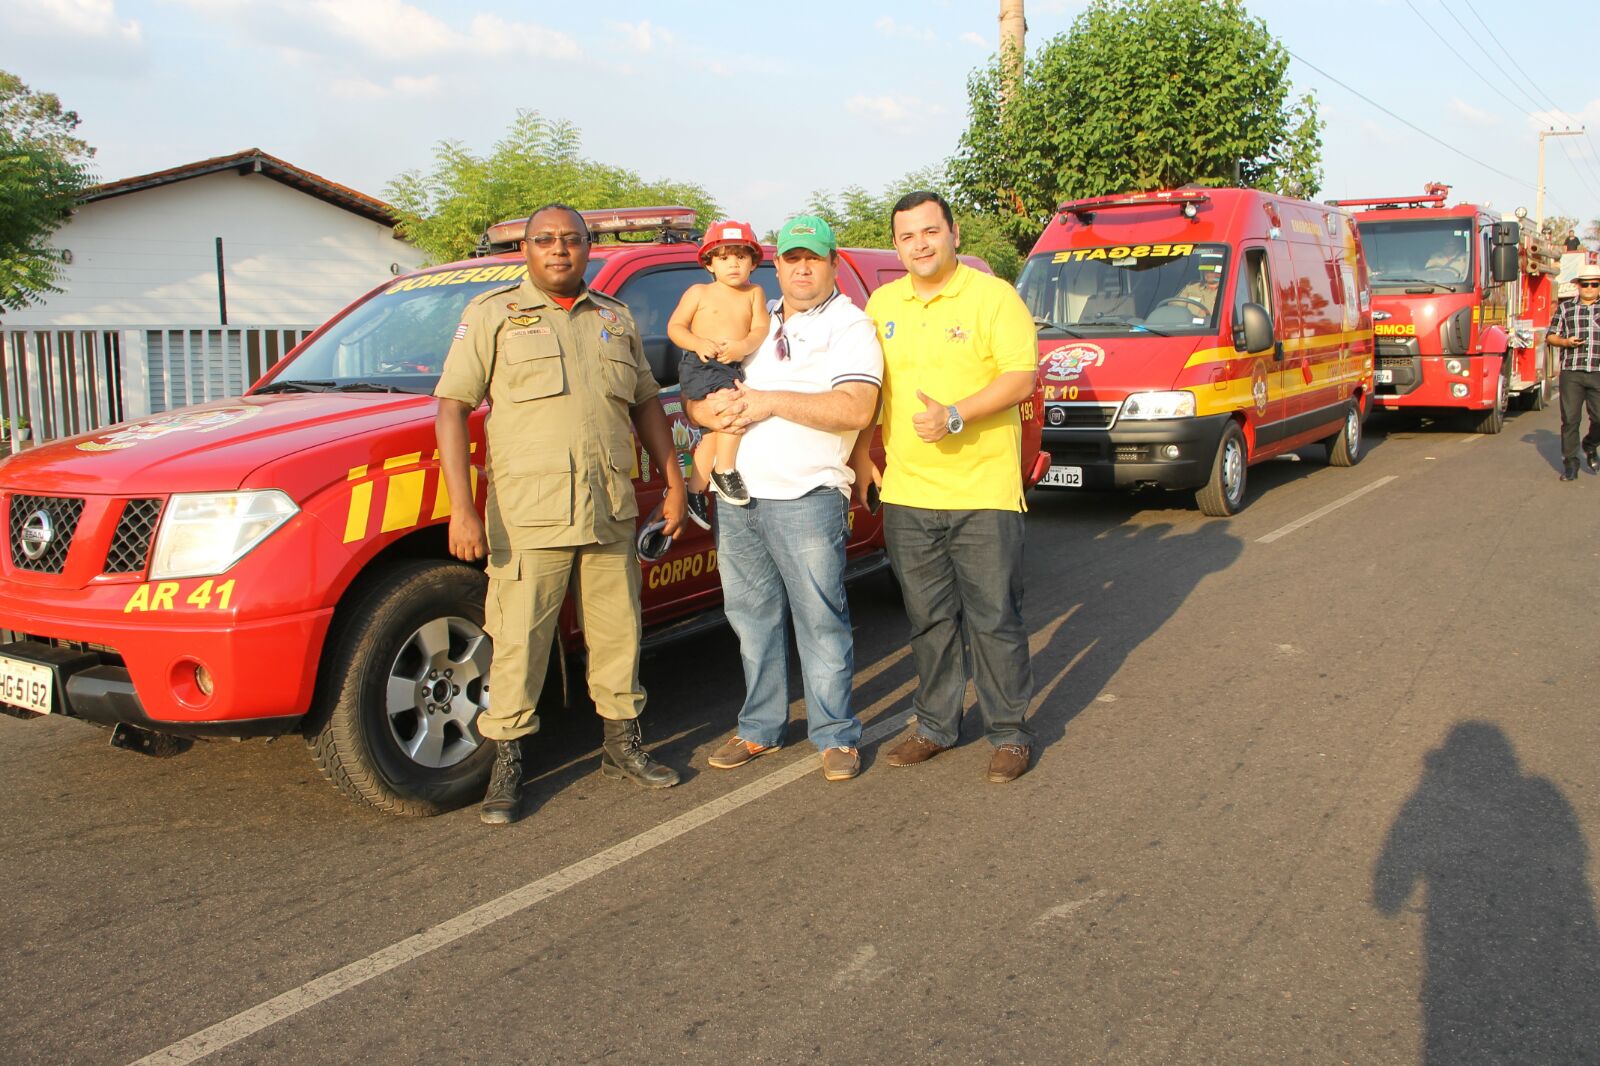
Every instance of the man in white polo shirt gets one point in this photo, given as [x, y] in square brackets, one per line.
[808, 390]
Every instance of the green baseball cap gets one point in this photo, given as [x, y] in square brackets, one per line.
[808, 232]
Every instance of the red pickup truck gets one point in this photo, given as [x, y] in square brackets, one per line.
[277, 563]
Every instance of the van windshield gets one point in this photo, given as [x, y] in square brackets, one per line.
[1430, 255]
[1162, 289]
[397, 340]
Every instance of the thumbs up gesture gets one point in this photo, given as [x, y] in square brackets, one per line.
[933, 423]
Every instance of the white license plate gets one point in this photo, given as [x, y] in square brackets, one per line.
[25, 685]
[1067, 477]
[1383, 377]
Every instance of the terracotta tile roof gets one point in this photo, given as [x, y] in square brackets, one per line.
[254, 160]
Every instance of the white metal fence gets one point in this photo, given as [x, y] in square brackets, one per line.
[59, 382]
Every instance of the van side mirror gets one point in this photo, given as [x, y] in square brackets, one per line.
[663, 357]
[1252, 331]
[1507, 233]
[1503, 261]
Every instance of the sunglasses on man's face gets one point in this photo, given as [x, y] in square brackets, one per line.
[1589, 284]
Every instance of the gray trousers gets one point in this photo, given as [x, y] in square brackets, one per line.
[961, 575]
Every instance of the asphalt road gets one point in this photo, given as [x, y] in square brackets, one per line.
[1318, 793]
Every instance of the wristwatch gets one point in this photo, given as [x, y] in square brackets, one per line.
[954, 423]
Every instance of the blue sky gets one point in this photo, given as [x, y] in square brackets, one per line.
[753, 102]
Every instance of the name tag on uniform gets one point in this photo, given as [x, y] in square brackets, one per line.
[531, 331]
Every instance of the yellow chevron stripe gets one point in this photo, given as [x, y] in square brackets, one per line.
[355, 523]
[402, 502]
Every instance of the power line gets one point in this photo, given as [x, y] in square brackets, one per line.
[1590, 159]
[1477, 73]
[1509, 58]
[1411, 125]
[1581, 175]
[1493, 62]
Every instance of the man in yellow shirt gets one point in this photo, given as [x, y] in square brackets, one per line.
[960, 352]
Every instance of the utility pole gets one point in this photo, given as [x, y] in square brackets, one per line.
[1538, 199]
[1013, 30]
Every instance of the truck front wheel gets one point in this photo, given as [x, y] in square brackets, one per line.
[1223, 494]
[1494, 419]
[395, 724]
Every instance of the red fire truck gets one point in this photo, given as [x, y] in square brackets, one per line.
[1460, 302]
[276, 563]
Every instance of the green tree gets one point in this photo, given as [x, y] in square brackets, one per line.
[861, 220]
[1138, 95]
[446, 210]
[43, 172]
[1556, 227]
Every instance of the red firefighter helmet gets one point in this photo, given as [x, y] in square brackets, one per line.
[726, 233]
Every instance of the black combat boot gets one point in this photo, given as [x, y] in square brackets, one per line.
[505, 785]
[623, 755]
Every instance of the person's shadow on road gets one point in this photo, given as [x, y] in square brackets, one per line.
[1547, 444]
[1512, 950]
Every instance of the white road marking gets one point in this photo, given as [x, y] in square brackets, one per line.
[1064, 909]
[863, 969]
[1284, 531]
[321, 989]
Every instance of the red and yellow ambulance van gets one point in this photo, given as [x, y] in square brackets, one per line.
[1187, 334]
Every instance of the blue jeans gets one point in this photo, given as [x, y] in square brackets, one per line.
[783, 558]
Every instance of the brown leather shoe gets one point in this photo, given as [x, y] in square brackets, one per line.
[912, 750]
[840, 764]
[1009, 762]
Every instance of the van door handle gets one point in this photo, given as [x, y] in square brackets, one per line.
[1277, 351]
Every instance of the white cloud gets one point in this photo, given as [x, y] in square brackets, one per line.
[890, 28]
[75, 18]
[1587, 116]
[899, 113]
[642, 36]
[387, 31]
[977, 40]
[398, 87]
[1472, 114]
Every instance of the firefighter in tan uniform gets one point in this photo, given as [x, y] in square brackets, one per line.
[564, 371]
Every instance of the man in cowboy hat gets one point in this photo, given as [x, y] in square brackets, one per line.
[1576, 331]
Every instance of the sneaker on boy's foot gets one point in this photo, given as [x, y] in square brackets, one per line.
[699, 510]
[730, 486]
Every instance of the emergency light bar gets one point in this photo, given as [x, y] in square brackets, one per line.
[606, 220]
[1434, 194]
[1189, 200]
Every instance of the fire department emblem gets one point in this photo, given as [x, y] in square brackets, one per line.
[606, 313]
[205, 421]
[1067, 362]
[1258, 386]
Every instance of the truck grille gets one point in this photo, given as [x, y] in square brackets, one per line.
[60, 516]
[130, 545]
[1079, 415]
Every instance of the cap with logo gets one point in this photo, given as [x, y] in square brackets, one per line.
[724, 234]
[808, 232]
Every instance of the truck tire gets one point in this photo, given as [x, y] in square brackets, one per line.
[395, 721]
[1494, 419]
[1223, 494]
[1538, 397]
[1345, 447]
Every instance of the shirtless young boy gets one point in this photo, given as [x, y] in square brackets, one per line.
[718, 324]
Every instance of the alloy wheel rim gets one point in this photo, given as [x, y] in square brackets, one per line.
[435, 688]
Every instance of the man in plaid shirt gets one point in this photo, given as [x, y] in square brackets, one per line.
[1576, 331]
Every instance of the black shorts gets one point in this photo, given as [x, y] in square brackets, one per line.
[698, 379]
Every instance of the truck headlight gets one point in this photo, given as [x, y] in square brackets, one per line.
[1153, 405]
[204, 533]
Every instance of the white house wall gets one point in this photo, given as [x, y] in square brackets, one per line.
[147, 259]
